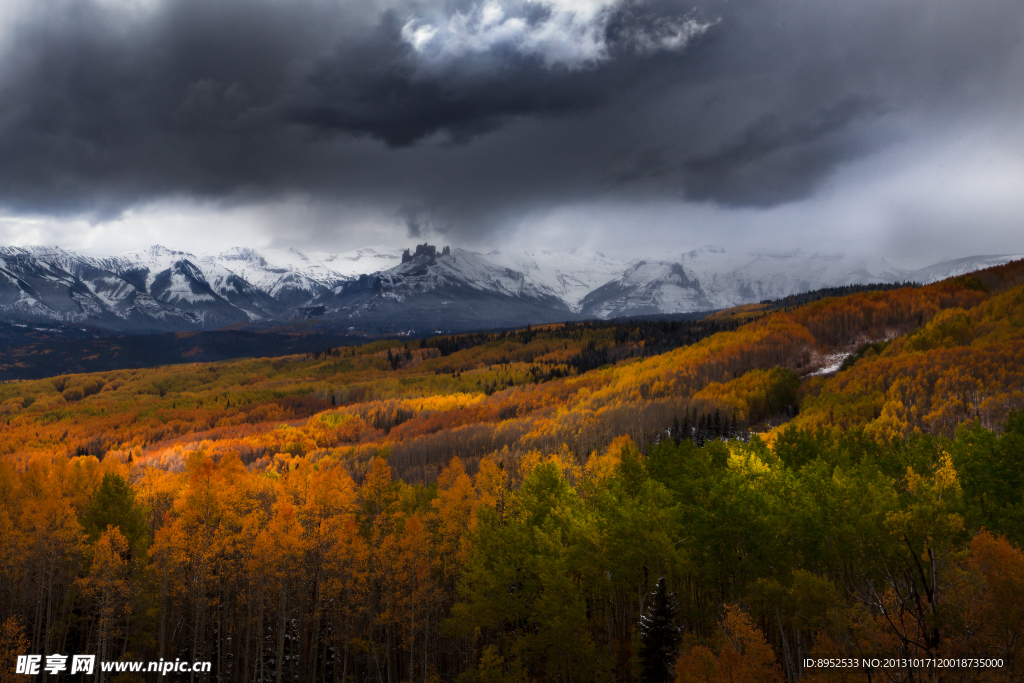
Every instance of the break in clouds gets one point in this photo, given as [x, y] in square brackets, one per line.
[464, 116]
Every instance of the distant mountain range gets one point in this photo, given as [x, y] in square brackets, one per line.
[383, 291]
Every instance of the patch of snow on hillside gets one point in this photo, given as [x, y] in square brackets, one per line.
[833, 362]
[180, 289]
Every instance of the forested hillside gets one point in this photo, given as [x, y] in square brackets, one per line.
[838, 479]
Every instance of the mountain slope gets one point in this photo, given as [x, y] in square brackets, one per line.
[569, 275]
[732, 279]
[646, 288]
[459, 291]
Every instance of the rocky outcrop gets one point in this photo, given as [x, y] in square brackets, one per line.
[425, 250]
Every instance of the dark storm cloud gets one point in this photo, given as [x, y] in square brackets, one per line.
[373, 87]
[232, 100]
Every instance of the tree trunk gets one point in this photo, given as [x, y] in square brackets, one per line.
[785, 648]
[280, 633]
[163, 617]
[260, 650]
[314, 635]
[412, 637]
[389, 651]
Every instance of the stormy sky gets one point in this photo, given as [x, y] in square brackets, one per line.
[891, 127]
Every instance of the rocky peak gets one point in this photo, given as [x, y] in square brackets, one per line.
[428, 250]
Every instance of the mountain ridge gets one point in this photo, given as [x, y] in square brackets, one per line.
[373, 289]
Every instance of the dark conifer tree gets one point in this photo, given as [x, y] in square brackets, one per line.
[114, 503]
[659, 636]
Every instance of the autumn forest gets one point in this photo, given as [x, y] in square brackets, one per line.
[718, 500]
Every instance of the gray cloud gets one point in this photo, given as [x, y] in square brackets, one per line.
[473, 119]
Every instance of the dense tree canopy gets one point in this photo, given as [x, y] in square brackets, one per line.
[475, 516]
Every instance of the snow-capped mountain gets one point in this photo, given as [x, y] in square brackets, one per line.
[425, 272]
[960, 266]
[714, 278]
[362, 261]
[382, 290]
[453, 290]
[731, 279]
[569, 275]
[289, 276]
[646, 288]
[155, 289]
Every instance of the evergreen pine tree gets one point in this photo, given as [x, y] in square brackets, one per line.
[113, 503]
[659, 637]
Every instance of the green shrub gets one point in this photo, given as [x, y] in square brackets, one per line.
[73, 394]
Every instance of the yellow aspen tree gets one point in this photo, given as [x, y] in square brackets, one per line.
[329, 502]
[453, 508]
[106, 591]
[347, 584]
